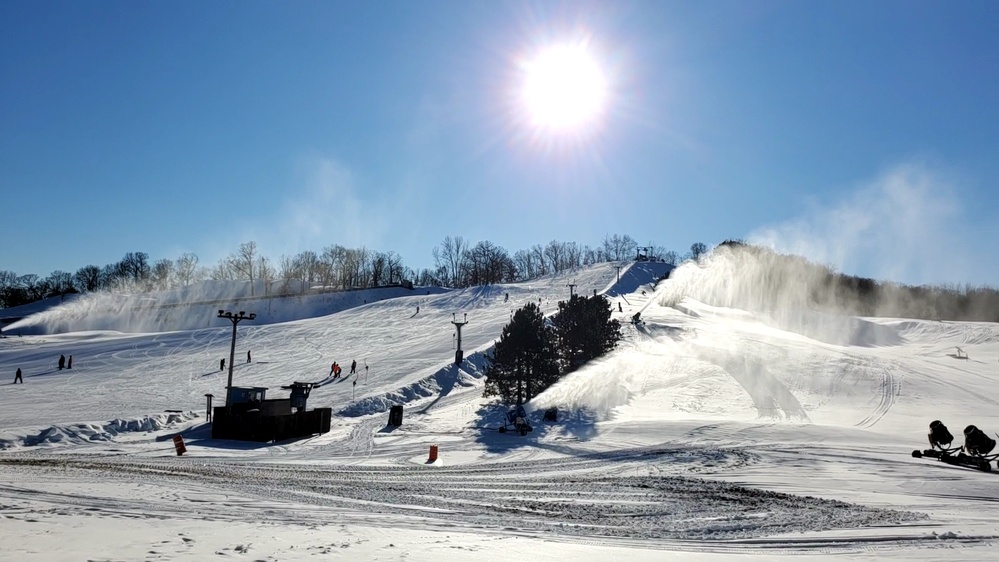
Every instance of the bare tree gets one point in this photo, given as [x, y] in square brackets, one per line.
[450, 255]
[656, 251]
[289, 269]
[87, 278]
[573, 255]
[185, 268]
[244, 261]
[379, 268]
[265, 273]
[162, 274]
[308, 264]
[540, 263]
[395, 267]
[524, 261]
[223, 271]
[555, 252]
[135, 267]
[619, 247]
[697, 249]
[59, 282]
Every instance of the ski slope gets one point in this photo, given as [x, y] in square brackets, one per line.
[710, 433]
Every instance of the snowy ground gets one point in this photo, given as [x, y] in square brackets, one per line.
[709, 434]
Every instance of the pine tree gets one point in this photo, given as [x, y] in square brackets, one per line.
[584, 331]
[523, 362]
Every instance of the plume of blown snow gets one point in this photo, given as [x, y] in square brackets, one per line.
[788, 292]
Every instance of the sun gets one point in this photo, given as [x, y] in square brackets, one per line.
[564, 88]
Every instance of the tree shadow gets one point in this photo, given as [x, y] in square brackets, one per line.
[569, 425]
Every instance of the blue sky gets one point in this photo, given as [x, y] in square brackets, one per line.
[863, 135]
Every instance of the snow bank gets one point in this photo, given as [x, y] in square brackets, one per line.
[80, 433]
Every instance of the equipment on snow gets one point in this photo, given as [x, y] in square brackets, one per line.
[516, 420]
[974, 453]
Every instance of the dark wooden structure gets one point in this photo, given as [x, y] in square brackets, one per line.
[252, 417]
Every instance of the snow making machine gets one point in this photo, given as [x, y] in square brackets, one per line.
[974, 454]
[516, 420]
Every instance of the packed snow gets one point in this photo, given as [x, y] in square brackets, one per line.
[711, 433]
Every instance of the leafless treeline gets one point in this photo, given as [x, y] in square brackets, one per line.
[457, 263]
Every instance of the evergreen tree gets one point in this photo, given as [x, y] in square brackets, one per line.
[523, 362]
[584, 331]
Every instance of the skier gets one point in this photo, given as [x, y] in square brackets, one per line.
[619, 309]
[417, 309]
[222, 364]
[62, 362]
[332, 369]
[353, 367]
[17, 377]
[69, 365]
[247, 355]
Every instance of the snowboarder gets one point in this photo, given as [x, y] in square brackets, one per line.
[17, 377]
[247, 355]
[69, 364]
[353, 367]
[62, 362]
[222, 364]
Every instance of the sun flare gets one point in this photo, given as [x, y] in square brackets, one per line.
[564, 88]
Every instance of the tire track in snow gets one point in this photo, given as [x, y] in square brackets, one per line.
[888, 393]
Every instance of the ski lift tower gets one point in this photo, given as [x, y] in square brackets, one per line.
[235, 318]
[572, 288]
[459, 355]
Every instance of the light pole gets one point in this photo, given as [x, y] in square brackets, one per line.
[618, 274]
[234, 318]
[460, 354]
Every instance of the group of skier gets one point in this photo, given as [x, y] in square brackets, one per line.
[335, 369]
[222, 361]
[63, 363]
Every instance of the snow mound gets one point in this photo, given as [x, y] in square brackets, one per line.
[75, 434]
[440, 383]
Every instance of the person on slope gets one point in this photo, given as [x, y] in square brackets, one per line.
[17, 377]
[62, 362]
[353, 367]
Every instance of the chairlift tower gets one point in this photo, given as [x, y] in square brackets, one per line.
[572, 287]
[459, 355]
[235, 318]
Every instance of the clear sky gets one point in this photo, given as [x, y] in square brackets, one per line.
[862, 134]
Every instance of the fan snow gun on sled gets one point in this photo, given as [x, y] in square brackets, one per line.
[974, 453]
[516, 420]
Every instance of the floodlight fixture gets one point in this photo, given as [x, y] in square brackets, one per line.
[235, 319]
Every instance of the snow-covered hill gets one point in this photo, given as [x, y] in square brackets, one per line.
[711, 432]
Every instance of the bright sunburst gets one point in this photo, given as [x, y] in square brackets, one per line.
[564, 88]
